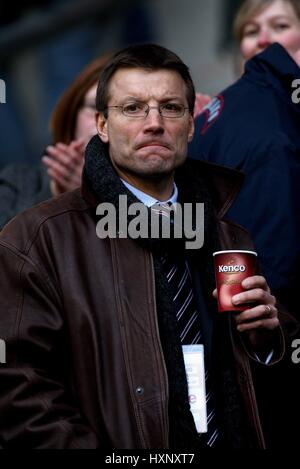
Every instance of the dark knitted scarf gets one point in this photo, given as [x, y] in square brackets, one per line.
[104, 182]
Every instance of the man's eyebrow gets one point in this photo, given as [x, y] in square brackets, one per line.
[171, 98]
[162, 99]
[132, 98]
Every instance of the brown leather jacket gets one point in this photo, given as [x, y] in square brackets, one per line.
[84, 365]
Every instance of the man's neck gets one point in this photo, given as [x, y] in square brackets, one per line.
[159, 190]
[147, 199]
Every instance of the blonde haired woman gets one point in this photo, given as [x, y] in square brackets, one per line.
[260, 23]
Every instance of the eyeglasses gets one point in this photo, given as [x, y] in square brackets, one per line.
[168, 110]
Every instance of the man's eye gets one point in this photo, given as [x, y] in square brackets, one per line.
[172, 107]
[132, 108]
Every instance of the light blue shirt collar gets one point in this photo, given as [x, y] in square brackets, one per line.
[147, 199]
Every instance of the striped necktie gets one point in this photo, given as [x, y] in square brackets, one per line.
[179, 279]
[187, 315]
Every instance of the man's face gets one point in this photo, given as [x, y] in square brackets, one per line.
[150, 147]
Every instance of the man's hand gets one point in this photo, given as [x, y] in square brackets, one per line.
[65, 164]
[263, 314]
[261, 317]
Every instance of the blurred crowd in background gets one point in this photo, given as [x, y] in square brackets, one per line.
[44, 44]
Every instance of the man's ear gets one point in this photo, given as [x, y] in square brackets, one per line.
[191, 128]
[101, 124]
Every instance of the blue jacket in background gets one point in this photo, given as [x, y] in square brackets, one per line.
[254, 126]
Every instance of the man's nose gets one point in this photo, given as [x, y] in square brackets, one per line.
[154, 120]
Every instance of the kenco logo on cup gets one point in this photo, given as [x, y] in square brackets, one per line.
[231, 268]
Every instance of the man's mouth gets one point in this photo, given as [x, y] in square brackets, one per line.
[153, 145]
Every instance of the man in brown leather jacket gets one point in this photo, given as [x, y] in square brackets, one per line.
[93, 353]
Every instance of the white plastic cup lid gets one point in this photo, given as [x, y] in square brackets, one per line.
[236, 251]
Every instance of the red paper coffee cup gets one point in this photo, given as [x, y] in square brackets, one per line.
[231, 268]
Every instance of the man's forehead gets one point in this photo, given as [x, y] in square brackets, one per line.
[136, 81]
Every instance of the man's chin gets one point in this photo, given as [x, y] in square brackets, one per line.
[151, 170]
[158, 171]
[156, 174]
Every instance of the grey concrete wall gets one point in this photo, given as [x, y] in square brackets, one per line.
[194, 30]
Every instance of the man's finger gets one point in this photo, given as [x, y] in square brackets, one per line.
[256, 281]
[259, 324]
[256, 295]
[258, 312]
